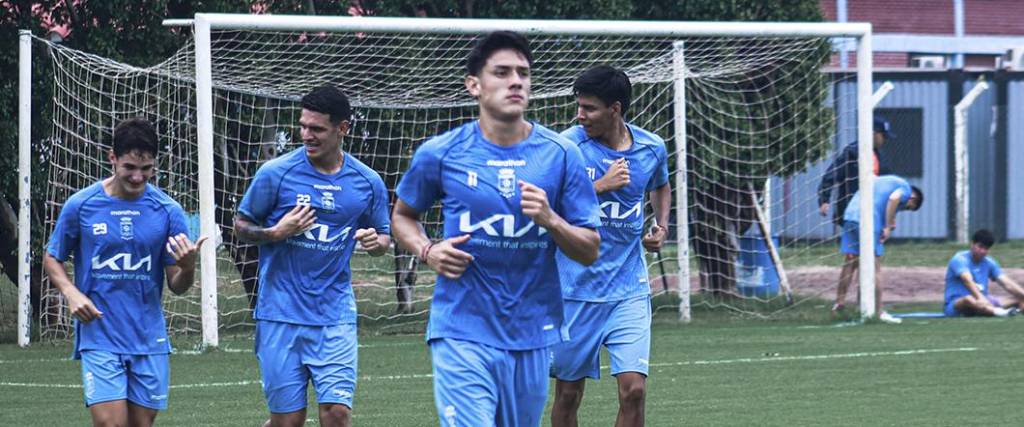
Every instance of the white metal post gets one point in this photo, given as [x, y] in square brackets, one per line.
[962, 166]
[866, 176]
[880, 93]
[24, 186]
[207, 219]
[682, 189]
[767, 203]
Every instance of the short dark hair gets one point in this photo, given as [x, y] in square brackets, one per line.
[607, 83]
[498, 40]
[135, 134]
[330, 100]
[984, 238]
[916, 192]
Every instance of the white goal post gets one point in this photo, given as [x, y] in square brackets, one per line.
[677, 62]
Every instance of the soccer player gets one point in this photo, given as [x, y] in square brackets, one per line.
[121, 231]
[841, 174]
[892, 194]
[512, 191]
[609, 302]
[967, 276]
[306, 210]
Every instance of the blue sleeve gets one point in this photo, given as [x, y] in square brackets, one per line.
[959, 266]
[660, 177]
[377, 215]
[261, 197]
[177, 224]
[65, 236]
[994, 269]
[578, 205]
[420, 187]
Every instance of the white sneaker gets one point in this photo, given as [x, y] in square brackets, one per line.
[888, 318]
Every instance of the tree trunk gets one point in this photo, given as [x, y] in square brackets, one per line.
[721, 214]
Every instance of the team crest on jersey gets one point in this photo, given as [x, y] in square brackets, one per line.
[327, 201]
[507, 182]
[127, 228]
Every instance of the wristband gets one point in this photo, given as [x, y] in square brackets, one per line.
[425, 251]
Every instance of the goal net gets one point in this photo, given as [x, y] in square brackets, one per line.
[763, 117]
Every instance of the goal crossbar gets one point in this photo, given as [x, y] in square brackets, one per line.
[220, 21]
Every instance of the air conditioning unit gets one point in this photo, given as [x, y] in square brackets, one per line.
[1013, 59]
[928, 61]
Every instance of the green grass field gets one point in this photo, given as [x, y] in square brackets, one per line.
[737, 373]
[725, 368]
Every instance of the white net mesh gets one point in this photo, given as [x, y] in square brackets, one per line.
[756, 108]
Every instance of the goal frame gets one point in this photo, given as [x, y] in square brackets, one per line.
[204, 23]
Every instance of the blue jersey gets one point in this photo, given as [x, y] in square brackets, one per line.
[620, 271]
[884, 187]
[509, 296]
[981, 272]
[306, 279]
[119, 249]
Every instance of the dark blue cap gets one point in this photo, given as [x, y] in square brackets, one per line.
[882, 125]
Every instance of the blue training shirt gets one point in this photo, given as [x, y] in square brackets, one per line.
[884, 187]
[119, 250]
[620, 271]
[306, 279]
[509, 295]
[981, 272]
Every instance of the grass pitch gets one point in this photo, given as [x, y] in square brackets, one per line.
[708, 373]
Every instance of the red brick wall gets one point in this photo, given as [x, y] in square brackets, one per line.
[980, 61]
[994, 17]
[981, 17]
[903, 16]
[882, 60]
[828, 9]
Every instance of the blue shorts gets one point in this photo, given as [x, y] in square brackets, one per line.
[476, 385]
[849, 241]
[624, 327]
[950, 311]
[142, 379]
[291, 355]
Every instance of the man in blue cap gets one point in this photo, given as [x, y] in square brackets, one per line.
[842, 173]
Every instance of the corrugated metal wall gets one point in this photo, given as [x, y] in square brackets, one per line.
[794, 200]
[1015, 156]
[801, 219]
[981, 149]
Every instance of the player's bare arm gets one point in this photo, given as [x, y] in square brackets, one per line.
[80, 306]
[372, 242]
[891, 206]
[443, 257]
[578, 243]
[181, 275]
[298, 220]
[614, 179]
[1011, 286]
[661, 199]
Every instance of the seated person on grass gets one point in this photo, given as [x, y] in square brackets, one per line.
[967, 278]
